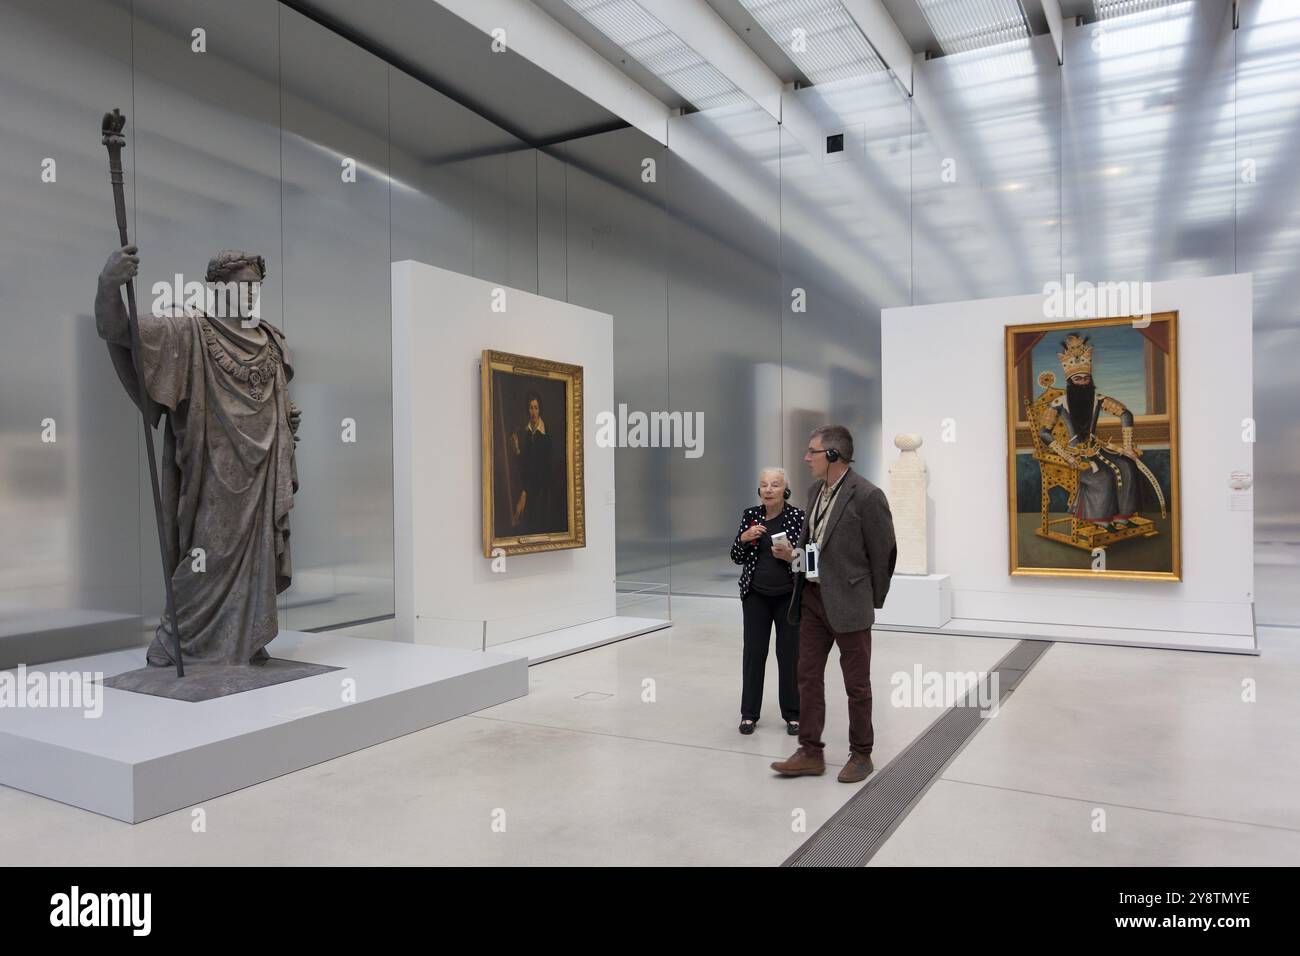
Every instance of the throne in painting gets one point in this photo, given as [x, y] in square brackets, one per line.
[1058, 472]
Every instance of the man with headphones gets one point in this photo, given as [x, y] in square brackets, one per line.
[849, 532]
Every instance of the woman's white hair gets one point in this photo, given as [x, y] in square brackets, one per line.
[775, 470]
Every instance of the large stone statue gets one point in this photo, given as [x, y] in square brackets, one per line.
[228, 471]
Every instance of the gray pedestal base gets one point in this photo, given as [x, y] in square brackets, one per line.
[208, 681]
[147, 755]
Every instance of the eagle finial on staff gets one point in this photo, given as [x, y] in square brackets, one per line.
[112, 127]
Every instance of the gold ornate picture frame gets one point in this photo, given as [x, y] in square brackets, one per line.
[1092, 507]
[532, 435]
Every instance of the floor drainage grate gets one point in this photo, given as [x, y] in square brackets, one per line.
[854, 834]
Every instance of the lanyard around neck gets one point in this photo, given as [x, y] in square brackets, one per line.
[822, 510]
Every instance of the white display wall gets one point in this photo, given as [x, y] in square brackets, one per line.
[447, 593]
[946, 363]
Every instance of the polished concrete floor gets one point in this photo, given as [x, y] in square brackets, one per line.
[628, 755]
[1126, 756]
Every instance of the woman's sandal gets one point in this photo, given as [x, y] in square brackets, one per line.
[747, 726]
[792, 728]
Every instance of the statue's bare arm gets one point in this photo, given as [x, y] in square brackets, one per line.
[110, 310]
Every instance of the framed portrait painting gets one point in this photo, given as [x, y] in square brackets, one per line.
[532, 455]
[1092, 438]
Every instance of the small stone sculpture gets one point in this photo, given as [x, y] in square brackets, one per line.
[907, 501]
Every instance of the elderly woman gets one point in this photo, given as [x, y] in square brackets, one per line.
[766, 584]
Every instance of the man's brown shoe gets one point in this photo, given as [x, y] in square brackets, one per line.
[857, 769]
[802, 763]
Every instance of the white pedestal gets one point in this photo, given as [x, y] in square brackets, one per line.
[917, 600]
[445, 591]
[920, 388]
[144, 756]
[583, 637]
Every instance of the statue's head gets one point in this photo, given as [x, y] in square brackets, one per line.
[223, 266]
[240, 275]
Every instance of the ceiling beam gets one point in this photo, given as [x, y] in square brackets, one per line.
[882, 33]
[542, 41]
[699, 27]
[1055, 26]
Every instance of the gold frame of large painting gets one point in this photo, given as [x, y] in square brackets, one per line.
[1050, 533]
[519, 455]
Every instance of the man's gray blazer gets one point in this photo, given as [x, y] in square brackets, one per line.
[858, 553]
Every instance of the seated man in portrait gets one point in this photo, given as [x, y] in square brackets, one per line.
[1108, 475]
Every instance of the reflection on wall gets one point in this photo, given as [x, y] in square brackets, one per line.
[1161, 149]
[241, 146]
[69, 508]
[844, 240]
[724, 301]
[1268, 246]
[336, 315]
[604, 246]
[1002, 173]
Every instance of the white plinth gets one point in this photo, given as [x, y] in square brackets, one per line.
[582, 637]
[146, 755]
[917, 600]
[445, 591]
[922, 388]
[1084, 634]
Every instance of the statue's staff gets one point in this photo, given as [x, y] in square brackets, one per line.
[115, 140]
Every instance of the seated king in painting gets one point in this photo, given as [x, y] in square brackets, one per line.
[228, 469]
[1108, 475]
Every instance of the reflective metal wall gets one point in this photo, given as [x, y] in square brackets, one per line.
[1158, 151]
[240, 145]
[336, 316]
[845, 242]
[604, 244]
[70, 514]
[436, 148]
[724, 329]
[1268, 245]
[1161, 149]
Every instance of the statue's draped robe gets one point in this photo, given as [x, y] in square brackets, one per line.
[228, 480]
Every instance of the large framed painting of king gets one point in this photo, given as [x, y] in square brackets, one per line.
[533, 493]
[1092, 437]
